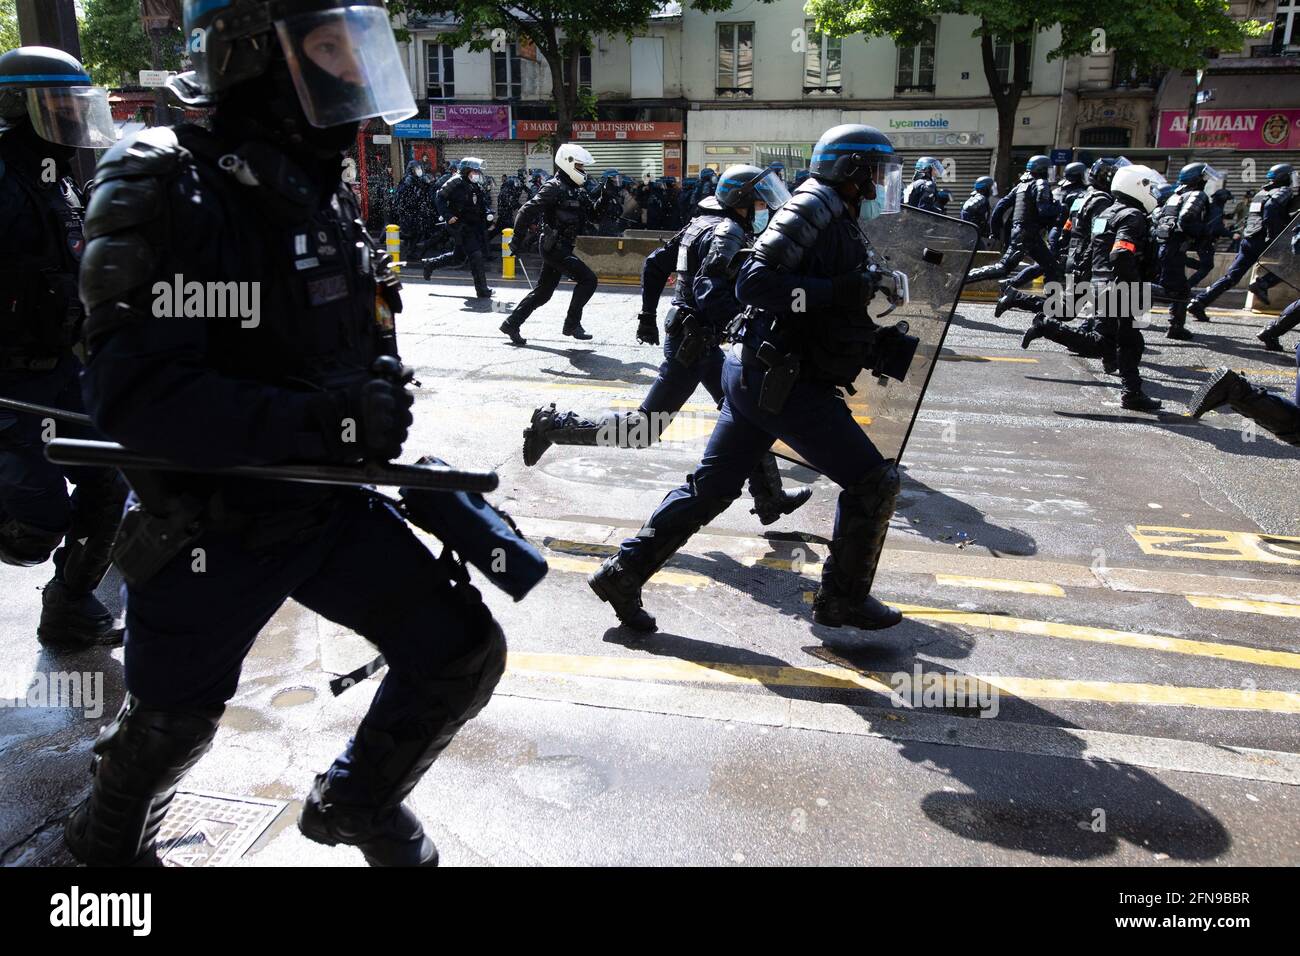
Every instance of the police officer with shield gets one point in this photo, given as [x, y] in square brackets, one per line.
[805, 335]
[48, 110]
[1266, 218]
[703, 306]
[257, 201]
[565, 209]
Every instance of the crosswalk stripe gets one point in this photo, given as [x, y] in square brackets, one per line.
[1001, 584]
[1272, 608]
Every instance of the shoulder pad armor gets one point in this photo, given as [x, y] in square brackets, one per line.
[728, 239]
[796, 225]
[154, 151]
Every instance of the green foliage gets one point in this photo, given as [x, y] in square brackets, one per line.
[9, 25]
[114, 45]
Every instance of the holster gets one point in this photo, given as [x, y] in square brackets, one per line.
[147, 541]
[779, 378]
[694, 340]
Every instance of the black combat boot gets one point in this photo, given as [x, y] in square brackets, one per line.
[573, 327]
[771, 502]
[1034, 332]
[26, 546]
[511, 328]
[620, 588]
[550, 428]
[1226, 387]
[1259, 290]
[71, 616]
[139, 761]
[1272, 341]
[1197, 311]
[859, 536]
[1137, 400]
[358, 801]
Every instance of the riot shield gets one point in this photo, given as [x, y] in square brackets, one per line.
[1280, 260]
[935, 252]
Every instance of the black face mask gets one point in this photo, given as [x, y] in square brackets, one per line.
[35, 150]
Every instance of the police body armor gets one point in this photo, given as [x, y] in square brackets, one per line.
[1255, 222]
[727, 237]
[976, 210]
[40, 313]
[1105, 225]
[1024, 214]
[835, 346]
[1079, 225]
[467, 201]
[562, 222]
[326, 297]
[1181, 218]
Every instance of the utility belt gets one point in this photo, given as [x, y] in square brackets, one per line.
[696, 338]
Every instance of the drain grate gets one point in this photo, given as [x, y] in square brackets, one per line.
[213, 829]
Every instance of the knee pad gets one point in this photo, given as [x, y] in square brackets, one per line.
[25, 545]
[880, 485]
[716, 493]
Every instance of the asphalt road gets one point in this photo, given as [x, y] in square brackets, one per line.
[1100, 633]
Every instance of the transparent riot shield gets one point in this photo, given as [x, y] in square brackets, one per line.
[935, 252]
[1280, 260]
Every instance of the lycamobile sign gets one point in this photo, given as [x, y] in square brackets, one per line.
[934, 122]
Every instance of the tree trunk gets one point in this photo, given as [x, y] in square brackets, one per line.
[1007, 100]
[562, 91]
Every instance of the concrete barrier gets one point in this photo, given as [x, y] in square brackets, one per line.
[617, 257]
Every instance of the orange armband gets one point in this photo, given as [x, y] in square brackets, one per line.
[1125, 245]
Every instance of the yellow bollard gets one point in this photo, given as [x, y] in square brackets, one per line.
[507, 260]
[393, 240]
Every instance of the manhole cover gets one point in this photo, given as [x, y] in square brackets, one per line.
[210, 829]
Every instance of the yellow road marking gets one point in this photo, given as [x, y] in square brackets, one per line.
[1001, 584]
[681, 579]
[842, 678]
[1273, 608]
[1208, 545]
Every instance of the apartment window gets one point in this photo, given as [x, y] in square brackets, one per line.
[735, 59]
[584, 69]
[1002, 60]
[916, 65]
[1286, 28]
[506, 74]
[440, 71]
[821, 62]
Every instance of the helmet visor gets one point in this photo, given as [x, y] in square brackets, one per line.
[770, 188]
[345, 66]
[72, 116]
[888, 178]
[1214, 180]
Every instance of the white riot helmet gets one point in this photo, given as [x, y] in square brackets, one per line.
[572, 160]
[1142, 184]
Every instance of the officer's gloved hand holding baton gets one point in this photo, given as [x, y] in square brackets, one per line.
[647, 328]
[381, 407]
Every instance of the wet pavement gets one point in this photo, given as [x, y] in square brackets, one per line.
[1122, 592]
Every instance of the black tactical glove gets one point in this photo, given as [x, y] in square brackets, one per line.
[375, 414]
[647, 328]
[851, 290]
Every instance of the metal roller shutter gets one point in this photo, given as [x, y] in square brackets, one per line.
[501, 157]
[971, 165]
[632, 159]
[1232, 163]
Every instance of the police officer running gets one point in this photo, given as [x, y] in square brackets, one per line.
[1032, 211]
[257, 202]
[704, 304]
[565, 209]
[465, 205]
[1272, 334]
[806, 335]
[1266, 218]
[977, 207]
[1179, 222]
[1119, 263]
[48, 110]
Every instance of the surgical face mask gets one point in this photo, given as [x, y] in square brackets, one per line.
[869, 209]
[760, 219]
[417, 172]
[474, 177]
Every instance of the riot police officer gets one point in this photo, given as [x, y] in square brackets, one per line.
[257, 201]
[1279, 415]
[1201, 254]
[509, 200]
[1033, 210]
[705, 185]
[703, 306]
[1272, 334]
[565, 209]
[977, 206]
[1265, 220]
[1180, 221]
[922, 192]
[1072, 185]
[48, 110]
[1119, 262]
[806, 334]
[468, 211]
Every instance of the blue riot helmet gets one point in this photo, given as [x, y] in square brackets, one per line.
[742, 185]
[928, 167]
[1165, 191]
[50, 88]
[1038, 166]
[1075, 173]
[985, 186]
[858, 154]
[1281, 174]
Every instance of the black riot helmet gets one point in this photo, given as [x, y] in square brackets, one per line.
[341, 55]
[1075, 173]
[50, 88]
[1103, 171]
[1038, 166]
[858, 154]
[1281, 174]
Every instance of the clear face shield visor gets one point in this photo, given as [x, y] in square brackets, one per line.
[770, 189]
[345, 66]
[1214, 180]
[887, 177]
[72, 116]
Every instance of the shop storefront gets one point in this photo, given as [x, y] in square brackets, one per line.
[1241, 143]
[632, 147]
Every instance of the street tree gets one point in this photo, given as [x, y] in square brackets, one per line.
[1148, 35]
